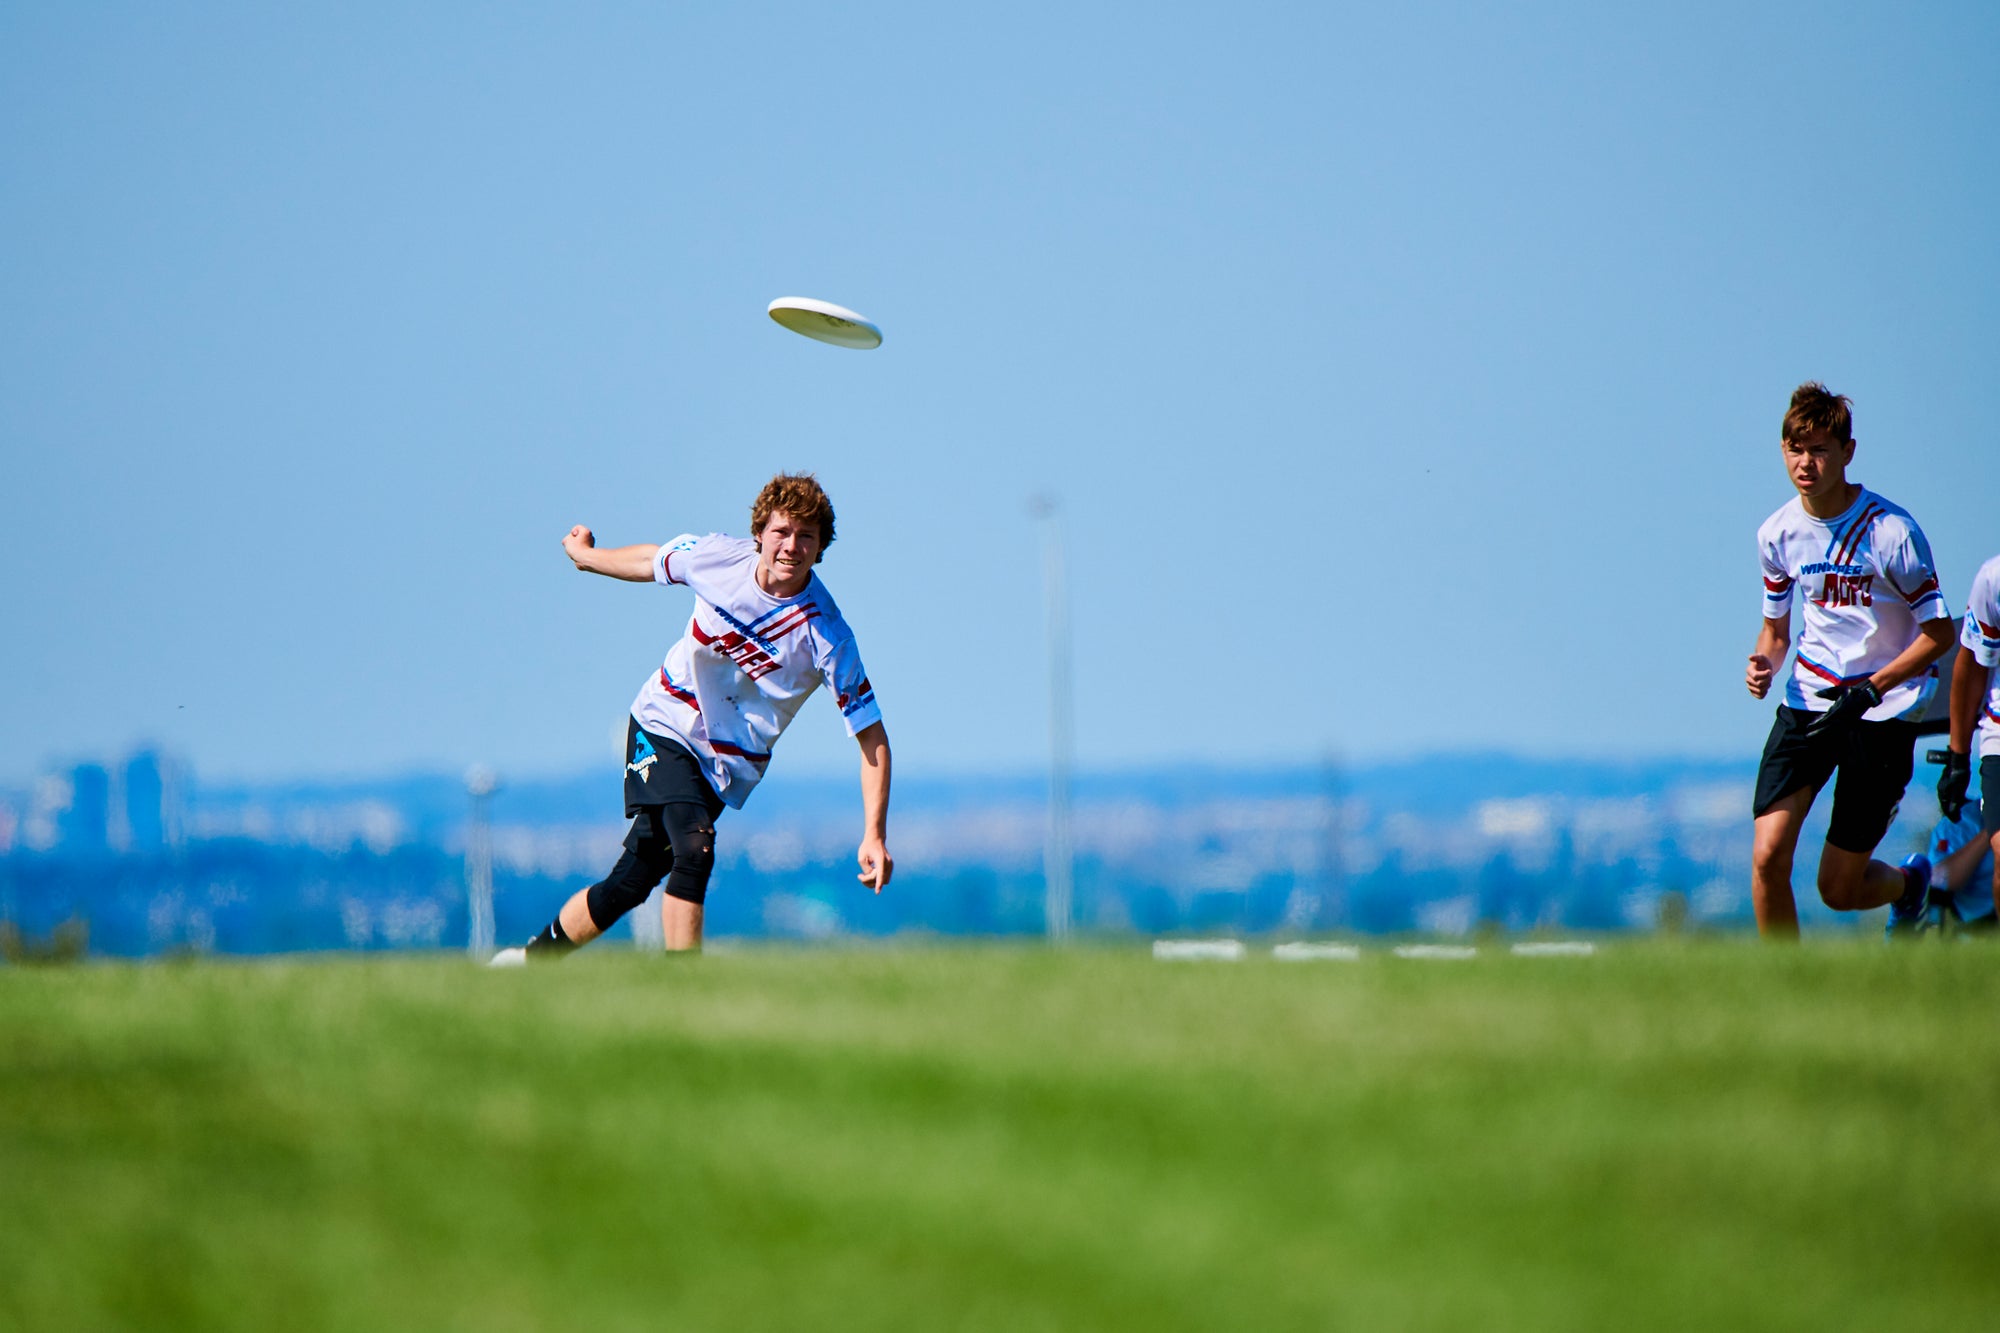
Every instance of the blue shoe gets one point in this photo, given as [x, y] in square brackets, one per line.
[1906, 914]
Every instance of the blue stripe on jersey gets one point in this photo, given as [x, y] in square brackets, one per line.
[1829, 675]
[748, 631]
[1853, 531]
[774, 611]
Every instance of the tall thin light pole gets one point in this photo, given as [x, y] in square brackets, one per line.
[1058, 854]
[1333, 860]
[480, 784]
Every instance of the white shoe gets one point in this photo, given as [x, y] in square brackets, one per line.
[510, 958]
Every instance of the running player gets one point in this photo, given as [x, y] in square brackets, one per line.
[1975, 710]
[764, 635]
[1874, 624]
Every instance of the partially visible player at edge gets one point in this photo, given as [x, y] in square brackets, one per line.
[1975, 710]
[1874, 623]
[764, 635]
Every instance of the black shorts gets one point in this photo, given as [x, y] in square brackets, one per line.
[1874, 759]
[660, 771]
[1989, 794]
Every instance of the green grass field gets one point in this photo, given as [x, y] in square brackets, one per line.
[1712, 1137]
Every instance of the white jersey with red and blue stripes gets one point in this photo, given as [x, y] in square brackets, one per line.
[1980, 636]
[747, 663]
[1868, 581]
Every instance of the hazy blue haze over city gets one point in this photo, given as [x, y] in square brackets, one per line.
[1409, 375]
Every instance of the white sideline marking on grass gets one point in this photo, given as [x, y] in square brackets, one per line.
[1555, 949]
[1299, 952]
[1437, 952]
[1189, 951]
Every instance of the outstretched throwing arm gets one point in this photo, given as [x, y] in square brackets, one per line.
[634, 564]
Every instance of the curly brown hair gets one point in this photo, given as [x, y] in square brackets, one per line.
[1818, 410]
[798, 494]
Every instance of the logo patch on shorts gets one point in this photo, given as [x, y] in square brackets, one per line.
[644, 756]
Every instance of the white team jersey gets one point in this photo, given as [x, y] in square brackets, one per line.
[1868, 581]
[1980, 636]
[748, 661]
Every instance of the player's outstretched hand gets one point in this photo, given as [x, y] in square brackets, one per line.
[1849, 703]
[578, 540]
[1951, 786]
[876, 864]
[1758, 677]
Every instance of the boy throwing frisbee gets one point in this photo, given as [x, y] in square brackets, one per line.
[1874, 622]
[764, 635]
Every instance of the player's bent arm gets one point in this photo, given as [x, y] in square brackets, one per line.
[1958, 867]
[1774, 640]
[633, 564]
[1968, 687]
[1934, 639]
[873, 857]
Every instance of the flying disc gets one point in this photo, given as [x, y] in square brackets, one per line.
[825, 321]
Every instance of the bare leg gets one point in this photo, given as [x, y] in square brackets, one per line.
[680, 923]
[1775, 840]
[575, 918]
[1851, 882]
[1995, 845]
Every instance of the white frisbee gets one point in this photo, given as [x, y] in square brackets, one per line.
[825, 321]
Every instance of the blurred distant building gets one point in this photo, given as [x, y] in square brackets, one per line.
[150, 804]
[85, 826]
[92, 809]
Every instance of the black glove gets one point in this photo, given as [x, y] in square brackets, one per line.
[1951, 786]
[1849, 703]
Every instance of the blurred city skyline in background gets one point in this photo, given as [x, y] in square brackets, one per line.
[155, 861]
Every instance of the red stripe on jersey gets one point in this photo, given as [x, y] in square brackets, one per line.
[786, 624]
[1854, 530]
[1925, 589]
[1777, 585]
[677, 692]
[1852, 541]
[1819, 670]
[862, 694]
[724, 747]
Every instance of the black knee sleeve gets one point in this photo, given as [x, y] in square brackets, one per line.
[688, 880]
[674, 842]
[629, 882]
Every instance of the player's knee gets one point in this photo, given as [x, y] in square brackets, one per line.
[1771, 858]
[1840, 886]
[694, 860]
[630, 882]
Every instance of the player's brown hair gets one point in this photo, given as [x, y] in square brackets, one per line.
[1818, 410]
[797, 494]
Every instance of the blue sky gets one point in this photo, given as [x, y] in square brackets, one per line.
[1410, 375]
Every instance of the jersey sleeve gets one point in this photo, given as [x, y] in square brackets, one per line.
[840, 666]
[1777, 579]
[1980, 635]
[1907, 564]
[676, 551]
